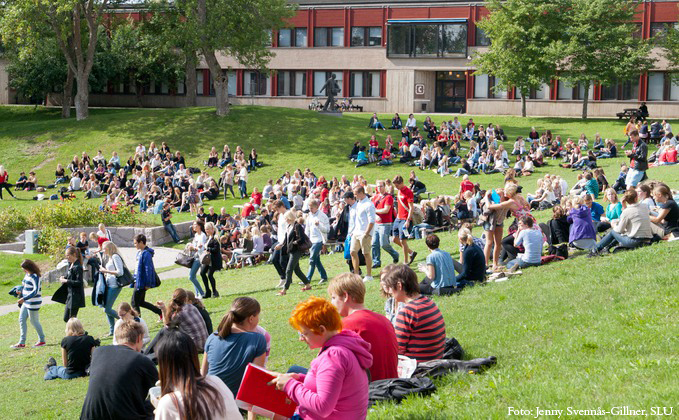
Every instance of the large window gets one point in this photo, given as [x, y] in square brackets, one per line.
[482, 39]
[540, 93]
[489, 87]
[199, 82]
[329, 37]
[659, 29]
[366, 36]
[568, 91]
[661, 87]
[256, 84]
[427, 40]
[624, 91]
[291, 83]
[292, 37]
[365, 84]
[320, 77]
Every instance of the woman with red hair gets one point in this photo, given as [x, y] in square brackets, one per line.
[336, 385]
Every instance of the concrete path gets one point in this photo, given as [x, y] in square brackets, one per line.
[164, 257]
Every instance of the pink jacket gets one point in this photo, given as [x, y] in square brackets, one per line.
[336, 386]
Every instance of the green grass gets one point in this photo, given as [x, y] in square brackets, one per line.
[11, 273]
[581, 333]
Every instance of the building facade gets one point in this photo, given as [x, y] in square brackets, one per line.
[403, 56]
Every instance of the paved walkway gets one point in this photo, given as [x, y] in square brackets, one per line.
[164, 257]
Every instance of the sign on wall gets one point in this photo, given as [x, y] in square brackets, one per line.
[419, 90]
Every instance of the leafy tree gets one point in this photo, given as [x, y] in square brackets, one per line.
[520, 32]
[598, 45]
[670, 45]
[235, 28]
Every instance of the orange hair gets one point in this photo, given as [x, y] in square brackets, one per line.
[314, 312]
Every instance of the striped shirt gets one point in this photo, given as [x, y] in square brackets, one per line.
[420, 330]
[30, 292]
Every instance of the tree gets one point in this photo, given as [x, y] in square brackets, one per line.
[520, 32]
[75, 25]
[235, 28]
[670, 45]
[598, 45]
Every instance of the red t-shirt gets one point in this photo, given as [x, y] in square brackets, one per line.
[381, 201]
[248, 208]
[378, 331]
[257, 198]
[324, 194]
[101, 240]
[466, 186]
[3, 177]
[405, 197]
[386, 154]
[373, 143]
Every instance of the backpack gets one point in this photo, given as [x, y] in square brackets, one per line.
[453, 349]
[397, 389]
[441, 367]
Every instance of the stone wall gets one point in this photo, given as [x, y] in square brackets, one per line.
[124, 236]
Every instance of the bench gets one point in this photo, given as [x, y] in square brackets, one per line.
[629, 113]
[429, 193]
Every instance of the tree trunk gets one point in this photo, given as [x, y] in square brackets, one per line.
[68, 96]
[82, 97]
[221, 83]
[191, 80]
[585, 100]
[523, 105]
[139, 92]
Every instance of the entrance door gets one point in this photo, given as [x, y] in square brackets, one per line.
[451, 89]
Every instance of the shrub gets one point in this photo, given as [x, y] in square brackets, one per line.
[52, 241]
[12, 222]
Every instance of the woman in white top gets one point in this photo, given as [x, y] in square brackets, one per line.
[112, 269]
[127, 313]
[185, 393]
[196, 249]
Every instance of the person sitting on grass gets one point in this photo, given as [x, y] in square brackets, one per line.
[375, 123]
[531, 239]
[183, 315]
[439, 270]
[668, 211]
[76, 353]
[472, 258]
[361, 158]
[336, 384]
[347, 294]
[420, 328]
[127, 314]
[386, 158]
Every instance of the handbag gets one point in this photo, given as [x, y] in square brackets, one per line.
[184, 260]
[126, 279]
[305, 243]
[206, 258]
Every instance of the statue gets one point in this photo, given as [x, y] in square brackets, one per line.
[331, 88]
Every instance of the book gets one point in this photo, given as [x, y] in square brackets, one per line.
[265, 400]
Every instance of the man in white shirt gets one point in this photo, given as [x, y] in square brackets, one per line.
[74, 185]
[243, 181]
[280, 260]
[317, 228]
[361, 236]
[415, 149]
[411, 124]
[297, 200]
[666, 126]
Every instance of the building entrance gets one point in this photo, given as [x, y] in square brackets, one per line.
[451, 87]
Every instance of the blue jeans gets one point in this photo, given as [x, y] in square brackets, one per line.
[385, 162]
[243, 188]
[169, 227]
[377, 125]
[192, 277]
[34, 316]
[59, 372]
[521, 263]
[381, 235]
[315, 261]
[633, 177]
[143, 205]
[454, 160]
[417, 229]
[111, 315]
[461, 171]
[612, 237]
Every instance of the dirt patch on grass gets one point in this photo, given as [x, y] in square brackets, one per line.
[39, 149]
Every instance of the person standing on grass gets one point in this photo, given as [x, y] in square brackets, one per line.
[113, 268]
[243, 181]
[144, 277]
[76, 353]
[196, 248]
[384, 205]
[404, 219]
[207, 271]
[294, 237]
[120, 379]
[361, 236]
[317, 228]
[4, 182]
[166, 216]
[30, 301]
[71, 293]
[638, 160]
[278, 258]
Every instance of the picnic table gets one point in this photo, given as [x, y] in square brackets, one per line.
[629, 113]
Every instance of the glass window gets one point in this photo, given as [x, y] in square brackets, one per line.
[500, 89]
[399, 41]
[365, 84]
[300, 83]
[356, 84]
[630, 89]
[231, 76]
[674, 90]
[375, 36]
[300, 37]
[358, 36]
[609, 93]
[285, 38]
[656, 86]
[581, 91]
[291, 83]
[426, 40]
[320, 37]
[256, 84]
[337, 37]
[320, 77]
[199, 82]
[482, 39]
[541, 93]
[565, 90]
[481, 86]
[453, 40]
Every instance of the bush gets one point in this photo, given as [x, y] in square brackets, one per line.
[12, 222]
[52, 241]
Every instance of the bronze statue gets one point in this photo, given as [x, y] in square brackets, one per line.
[331, 88]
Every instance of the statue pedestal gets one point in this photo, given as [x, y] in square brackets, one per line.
[331, 113]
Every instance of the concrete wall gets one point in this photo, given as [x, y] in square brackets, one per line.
[428, 78]
[563, 108]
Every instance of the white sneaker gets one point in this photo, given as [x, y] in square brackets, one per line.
[281, 284]
[367, 279]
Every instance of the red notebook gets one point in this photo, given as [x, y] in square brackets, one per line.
[262, 399]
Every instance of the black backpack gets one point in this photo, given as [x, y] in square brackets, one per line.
[441, 367]
[453, 349]
[398, 388]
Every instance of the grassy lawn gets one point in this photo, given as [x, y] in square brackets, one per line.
[581, 333]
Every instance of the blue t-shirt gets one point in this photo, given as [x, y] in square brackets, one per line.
[597, 211]
[228, 357]
[445, 271]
